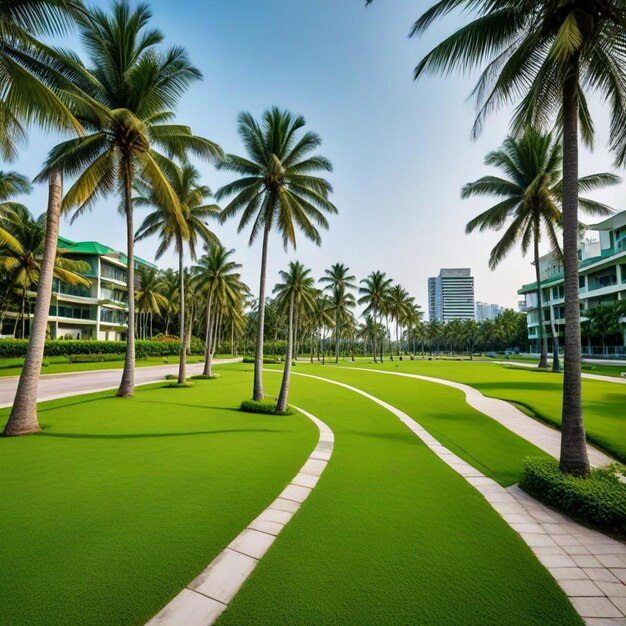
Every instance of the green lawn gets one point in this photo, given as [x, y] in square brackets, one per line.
[391, 535]
[62, 365]
[541, 392]
[114, 508]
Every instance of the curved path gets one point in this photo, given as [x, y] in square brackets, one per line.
[208, 596]
[589, 566]
[539, 434]
[600, 377]
[53, 386]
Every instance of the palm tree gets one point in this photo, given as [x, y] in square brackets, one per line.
[34, 91]
[339, 282]
[216, 276]
[131, 87]
[529, 202]
[170, 285]
[341, 303]
[192, 197]
[278, 189]
[148, 297]
[549, 52]
[296, 290]
[22, 242]
[12, 184]
[400, 306]
[374, 292]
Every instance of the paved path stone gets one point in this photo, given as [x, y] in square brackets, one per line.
[541, 435]
[598, 598]
[53, 386]
[600, 377]
[207, 597]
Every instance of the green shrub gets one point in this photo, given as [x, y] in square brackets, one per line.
[598, 499]
[267, 360]
[204, 377]
[16, 348]
[266, 407]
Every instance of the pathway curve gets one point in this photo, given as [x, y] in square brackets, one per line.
[589, 566]
[539, 434]
[208, 596]
[52, 386]
[600, 377]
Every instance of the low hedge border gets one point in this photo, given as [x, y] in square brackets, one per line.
[265, 407]
[598, 500]
[266, 360]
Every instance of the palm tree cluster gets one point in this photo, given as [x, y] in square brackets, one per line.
[544, 57]
[119, 102]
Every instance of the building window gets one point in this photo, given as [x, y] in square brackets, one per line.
[113, 272]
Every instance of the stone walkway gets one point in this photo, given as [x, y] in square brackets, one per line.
[541, 435]
[589, 566]
[600, 377]
[208, 596]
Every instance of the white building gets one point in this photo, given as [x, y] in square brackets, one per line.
[485, 311]
[451, 295]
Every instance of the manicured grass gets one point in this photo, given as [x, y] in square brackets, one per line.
[61, 364]
[119, 503]
[539, 391]
[443, 411]
[391, 535]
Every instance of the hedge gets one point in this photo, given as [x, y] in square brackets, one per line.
[15, 348]
[95, 358]
[598, 499]
[265, 407]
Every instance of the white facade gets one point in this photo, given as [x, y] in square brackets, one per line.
[451, 295]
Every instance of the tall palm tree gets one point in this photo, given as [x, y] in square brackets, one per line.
[131, 85]
[21, 245]
[549, 53]
[34, 91]
[400, 305]
[148, 297]
[374, 292]
[278, 189]
[192, 197]
[12, 184]
[341, 303]
[296, 290]
[339, 282]
[170, 282]
[217, 278]
[529, 202]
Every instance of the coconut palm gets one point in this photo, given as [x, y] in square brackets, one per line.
[529, 202]
[279, 189]
[12, 184]
[339, 282]
[341, 303]
[170, 285]
[217, 278]
[400, 306]
[148, 298]
[374, 292]
[192, 197]
[296, 291]
[21, 245]
[548, 54]
[131, 85]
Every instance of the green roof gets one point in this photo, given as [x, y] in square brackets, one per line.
[94, 247]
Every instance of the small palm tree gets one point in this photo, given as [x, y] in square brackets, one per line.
[296, 291]
[340, 283]
[21, 245]
[149, 299]
[400, 305]
[12, 184]
[374, 292]
[131, 87]
[217, 278]
[170, 282]
[529, 202]
[192, 197]
[278, 189]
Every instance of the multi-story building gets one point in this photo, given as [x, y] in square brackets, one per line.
[485, 311]
[602, 279]
[99, 311]
[451, 295]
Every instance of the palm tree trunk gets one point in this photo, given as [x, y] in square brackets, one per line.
[543, 340]
[23, 418]
[374, 334]
[281, 405]
[337, 337]
[207, 371]
[127, 385]
[182, 365]
[574, 459]
[257, 391]
[556, 363]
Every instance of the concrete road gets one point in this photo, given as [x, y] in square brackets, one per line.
[75, 383]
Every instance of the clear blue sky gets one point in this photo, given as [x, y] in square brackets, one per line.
[401, 150]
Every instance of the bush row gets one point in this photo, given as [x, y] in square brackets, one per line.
[265, 407]
[598, 499]
[266, 360]
[95, 358]
[14, 348]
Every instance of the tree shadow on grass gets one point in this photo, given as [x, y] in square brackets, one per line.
[154, 435]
